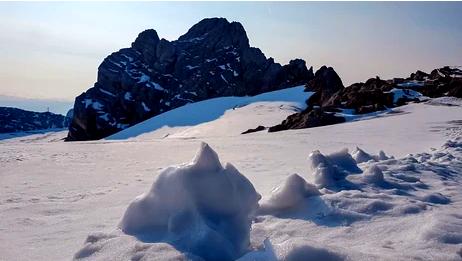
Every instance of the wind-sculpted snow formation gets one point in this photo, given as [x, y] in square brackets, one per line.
[202, 208]
[203, 211]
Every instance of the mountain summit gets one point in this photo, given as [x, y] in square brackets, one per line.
[155, 75]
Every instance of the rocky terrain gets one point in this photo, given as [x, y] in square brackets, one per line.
[212, 59]
[331, 98]
[17, 120]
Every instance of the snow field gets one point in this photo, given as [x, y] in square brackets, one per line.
[196, 209]
[54, 194]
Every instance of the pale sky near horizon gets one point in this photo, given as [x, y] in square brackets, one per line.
[52, 50]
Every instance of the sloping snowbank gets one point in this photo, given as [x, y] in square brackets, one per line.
[212, 109]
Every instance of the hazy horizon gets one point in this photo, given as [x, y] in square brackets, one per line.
[53, 50]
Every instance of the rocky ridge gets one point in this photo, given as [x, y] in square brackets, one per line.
[374, 95]
[17, 120]
[154, 75]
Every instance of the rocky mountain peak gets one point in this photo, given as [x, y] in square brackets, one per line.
[217, 33]
[212, 59]
[145, 40]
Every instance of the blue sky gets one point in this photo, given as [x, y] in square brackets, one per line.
[52, 50]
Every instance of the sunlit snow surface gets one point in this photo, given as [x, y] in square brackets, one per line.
[265, 109]
[60, 201]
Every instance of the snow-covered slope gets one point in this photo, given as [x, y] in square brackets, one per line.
[228, 115]
[55, 194]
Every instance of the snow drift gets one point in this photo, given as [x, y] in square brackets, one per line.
[329, 171]
[202, 208]
[361, 156]
[289, 195]
[373, 175]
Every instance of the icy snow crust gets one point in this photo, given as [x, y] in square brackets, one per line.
[202, 211]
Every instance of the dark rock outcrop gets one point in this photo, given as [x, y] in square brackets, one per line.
[455, 88]
[373, 95]
[325, 83]
[212, 59]
[259, 128]
[308, 119]
[444, 81]
[16, 120]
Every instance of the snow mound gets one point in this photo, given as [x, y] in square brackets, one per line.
[200, 208]
[289, 195]
[329, 171]
[361, 156]
[373, 175]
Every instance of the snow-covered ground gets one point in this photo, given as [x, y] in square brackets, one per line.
[60, 200]
[46, 132]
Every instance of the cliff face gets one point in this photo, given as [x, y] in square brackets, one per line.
[154, 75]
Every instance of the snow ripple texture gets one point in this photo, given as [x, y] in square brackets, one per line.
[204, 211]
